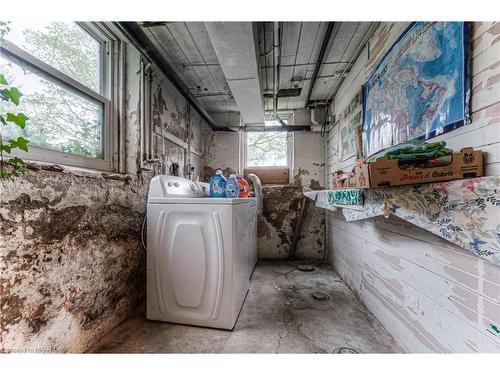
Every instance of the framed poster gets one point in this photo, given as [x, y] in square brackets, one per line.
[350, 125]
[420, 88]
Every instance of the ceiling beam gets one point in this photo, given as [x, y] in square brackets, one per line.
[235, 45]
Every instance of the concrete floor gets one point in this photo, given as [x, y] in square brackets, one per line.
[279, 316]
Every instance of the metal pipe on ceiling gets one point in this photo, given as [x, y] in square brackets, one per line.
[186, 65]
[276, 56]
[265, 54]
[319, 61]
[285, 128]
[276, 71]
[306, 64]
[209, 94]
[142, 42]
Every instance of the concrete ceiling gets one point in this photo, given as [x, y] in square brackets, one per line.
[300, 46]
[344, 43]
[188, 48]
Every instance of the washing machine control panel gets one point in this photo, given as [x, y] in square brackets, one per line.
[171, 186]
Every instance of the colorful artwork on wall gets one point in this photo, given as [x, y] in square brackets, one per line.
[350, 128]
[420, 88]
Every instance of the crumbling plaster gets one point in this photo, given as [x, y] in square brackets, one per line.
[72, 265]
[176, 128]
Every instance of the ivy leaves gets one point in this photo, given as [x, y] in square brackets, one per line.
[19, 119]
[14, 166]
[9, 93]
[20, 143]
[12, 94]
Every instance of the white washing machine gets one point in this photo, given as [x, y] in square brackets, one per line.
[201, 253]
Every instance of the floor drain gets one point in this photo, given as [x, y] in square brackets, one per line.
[345, 350]
[320, 296]
[305, 268]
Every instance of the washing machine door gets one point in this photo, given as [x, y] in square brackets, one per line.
[186, 262]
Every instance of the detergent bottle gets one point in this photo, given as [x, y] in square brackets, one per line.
[218, 185]
[232, 187]
[244, 186]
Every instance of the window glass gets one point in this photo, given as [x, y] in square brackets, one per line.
[65, 46]
[267, 149]
[59, 118]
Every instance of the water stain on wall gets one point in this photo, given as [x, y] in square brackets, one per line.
[167, 112]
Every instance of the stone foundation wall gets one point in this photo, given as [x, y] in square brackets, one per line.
[71, 261]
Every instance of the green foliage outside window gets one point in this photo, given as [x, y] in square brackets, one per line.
[10, 166]
[267, 149]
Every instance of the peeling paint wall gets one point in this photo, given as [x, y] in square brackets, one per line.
[282, 203]
[199, 134]
[428, 293]
[133, 136]
[222, 152]
[279, 219]
[308, 163]
[72, 266]
[176, 128]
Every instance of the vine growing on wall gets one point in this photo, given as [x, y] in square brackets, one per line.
[10, 166]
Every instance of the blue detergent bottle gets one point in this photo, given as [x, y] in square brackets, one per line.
[218, 185]
[232, 187]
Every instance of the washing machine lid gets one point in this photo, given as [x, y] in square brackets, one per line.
[178, 190]
[203, 201]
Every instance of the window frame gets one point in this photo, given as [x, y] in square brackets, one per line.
[105, 97]
[245, 145]
[270, 175]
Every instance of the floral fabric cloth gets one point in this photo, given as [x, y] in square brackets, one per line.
[465, 212]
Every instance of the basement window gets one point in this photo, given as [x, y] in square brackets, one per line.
[267, 149]
[267, 156]
[63, 70]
